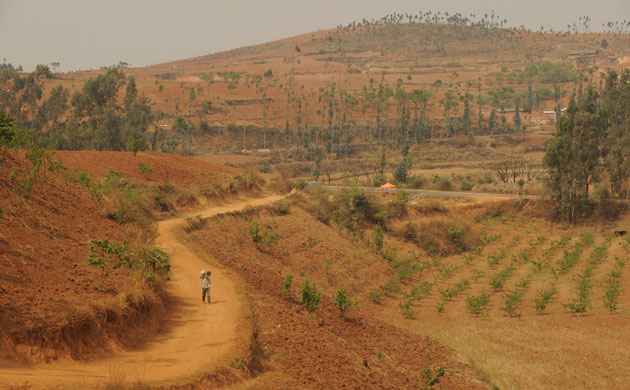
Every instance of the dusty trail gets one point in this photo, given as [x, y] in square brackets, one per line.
[197, 337]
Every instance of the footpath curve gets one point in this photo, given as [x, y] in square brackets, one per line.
[196, 338]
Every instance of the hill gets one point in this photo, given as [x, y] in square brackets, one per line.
[306, 71]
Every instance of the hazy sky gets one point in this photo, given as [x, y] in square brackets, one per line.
[83, 34]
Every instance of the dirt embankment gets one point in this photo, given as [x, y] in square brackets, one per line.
[195, 338]
[52, 303]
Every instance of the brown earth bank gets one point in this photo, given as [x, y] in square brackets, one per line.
[178, 170]
[52, 303]
[293, 348]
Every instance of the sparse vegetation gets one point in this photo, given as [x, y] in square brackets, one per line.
[288, 281]
[309, 296]
[194, 223]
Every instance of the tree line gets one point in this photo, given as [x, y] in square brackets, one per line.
[96, 117]
[590, 153]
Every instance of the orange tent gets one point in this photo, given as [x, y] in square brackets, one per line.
[388, 185]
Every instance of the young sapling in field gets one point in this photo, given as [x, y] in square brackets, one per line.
[543, 297]
[477, 303]
[343, 302]
[512, 299]
[288, 281]
[309, 295]
[582, 302]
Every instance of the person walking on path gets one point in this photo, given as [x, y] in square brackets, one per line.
[205, 285]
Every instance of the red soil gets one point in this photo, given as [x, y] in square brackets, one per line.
[44, 245]
[47, 289]
[178, 170]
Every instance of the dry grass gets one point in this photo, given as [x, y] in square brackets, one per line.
[541, 353]
[444, 236]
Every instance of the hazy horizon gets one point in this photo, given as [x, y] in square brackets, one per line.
[86, 34]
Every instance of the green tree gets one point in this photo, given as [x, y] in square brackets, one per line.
[492, 122]
[572, 157]
[309, 296]
[43, 71]
[517, 117]
[7, 132]
[466, 122]
[343, 301]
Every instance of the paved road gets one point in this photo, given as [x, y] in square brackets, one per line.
[434, 193]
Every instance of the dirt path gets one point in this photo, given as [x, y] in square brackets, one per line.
[196, 338]
[481, 195]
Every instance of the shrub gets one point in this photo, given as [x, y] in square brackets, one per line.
[354, 208]
[269, 238]
[410, 232]
[266, 238]
[543, 297]
[416, 182]
[398, 206]
[497, 281]
[455, 235]
[582, 302]
[476, 303]
[406, 269]
[378, 180]
[444, 184]
[612, 292]
[145, 169]
[266, 167]
[467, 186]
[309, 295]
[194, 223]
[391, 286]
[570, 258]
[300, 185]
[432, 380]
[495, 258]
[376, 296]
[452, 292]
[280, 207]
[598, 253]
[430, 207]
[343, 302]
[406, 307]
[586, 239]
[253, 229]
[153, 263]
[377, 237]
[288, 281]
[445, 236]
[106, 252]
[512, 299]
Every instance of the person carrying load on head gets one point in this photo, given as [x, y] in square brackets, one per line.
[205, 285]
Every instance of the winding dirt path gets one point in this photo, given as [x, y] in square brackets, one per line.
[197, 337]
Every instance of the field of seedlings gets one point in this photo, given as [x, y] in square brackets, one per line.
[533, 305]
